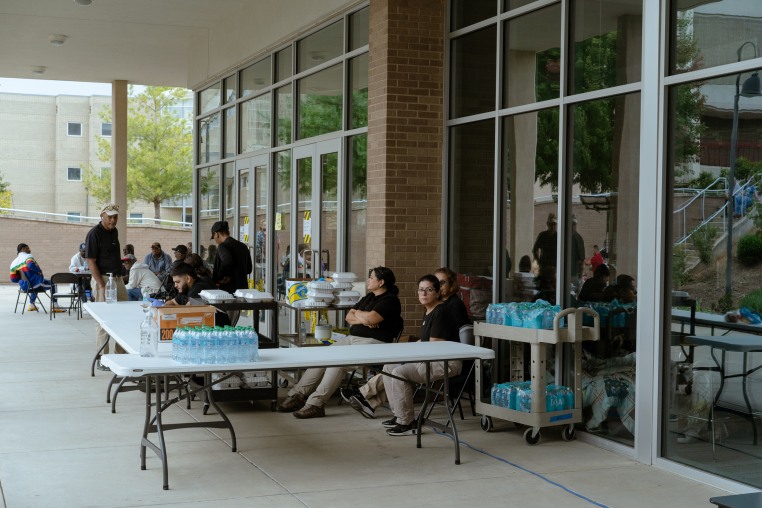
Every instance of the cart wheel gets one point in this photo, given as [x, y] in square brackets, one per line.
[532, 439]
[486, 423]
[283, 383]
[568, 433]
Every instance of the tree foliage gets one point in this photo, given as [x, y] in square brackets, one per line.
[159, 150]
[5, 193]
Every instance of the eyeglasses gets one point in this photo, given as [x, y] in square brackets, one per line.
[422, 291]
[111, 208]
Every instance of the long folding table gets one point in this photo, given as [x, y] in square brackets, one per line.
[122, 321]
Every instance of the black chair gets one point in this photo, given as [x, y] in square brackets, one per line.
[60, 280]
[29, 291]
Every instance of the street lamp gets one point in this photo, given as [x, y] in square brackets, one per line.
[751, 88]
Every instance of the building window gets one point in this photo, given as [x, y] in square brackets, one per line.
[135, 218]
[74, 174]
[106, 129]
[73, 217]
[74, 129]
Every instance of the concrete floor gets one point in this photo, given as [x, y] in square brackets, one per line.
[60, 446]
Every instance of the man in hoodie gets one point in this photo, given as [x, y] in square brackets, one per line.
[141, 277]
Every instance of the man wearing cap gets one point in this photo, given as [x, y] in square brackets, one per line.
[181, 251]
[141, 277]
[24, 262]
[545, 248]
[158, 261]
[79, 265]
[232, 262]
[103, 256]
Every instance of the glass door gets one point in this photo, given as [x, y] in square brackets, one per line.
[252, 189]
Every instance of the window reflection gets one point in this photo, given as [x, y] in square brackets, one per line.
[230, 132]
[255, 77]
[473, 66]
[320, 102]
[208, 193]
[255, 123]
[209, 99]
[320, 47]
[358, 107]
[358, 166]
[209, 139]
[283, 225]
[467, 12]
[284, 107]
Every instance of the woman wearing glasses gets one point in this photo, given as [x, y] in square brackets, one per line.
[438, 324]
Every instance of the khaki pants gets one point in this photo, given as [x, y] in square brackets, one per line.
[99, 293]
[374, 391]
[319, 383]
[400, 393]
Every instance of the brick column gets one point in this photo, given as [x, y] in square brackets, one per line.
[405, 134]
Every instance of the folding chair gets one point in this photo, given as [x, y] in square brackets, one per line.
[59, 280]
[29, 291]
[351, 378]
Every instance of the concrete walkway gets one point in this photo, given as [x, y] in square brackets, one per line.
[60, 446]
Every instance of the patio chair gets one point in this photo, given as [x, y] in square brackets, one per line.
[29, 291]
[60, 280]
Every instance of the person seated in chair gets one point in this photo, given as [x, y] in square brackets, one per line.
[158, 261]
[141, 277]
[375, 319]
[24, 262]
[188, 285]
[624, 290]
[371, 394]
[592, 289]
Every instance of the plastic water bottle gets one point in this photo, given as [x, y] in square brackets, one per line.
[178, 345]
[111, 289]
[149, 337]
[193, 346]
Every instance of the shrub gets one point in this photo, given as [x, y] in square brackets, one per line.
[749, 250]
[679, 266]
[724, 304]
[753, 301]
[703, 241]
[703, 180]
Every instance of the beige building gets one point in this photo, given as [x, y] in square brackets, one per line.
[45, 144]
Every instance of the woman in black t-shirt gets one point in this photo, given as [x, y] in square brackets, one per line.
[448, 293]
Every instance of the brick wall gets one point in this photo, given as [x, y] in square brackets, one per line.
[405, 118]
[54, 243]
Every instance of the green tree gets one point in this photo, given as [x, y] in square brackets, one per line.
[159, 150]
[5, 193]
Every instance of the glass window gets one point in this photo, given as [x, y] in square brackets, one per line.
[209, 139]
[703, 36]
[284, 114]
[209, 99]
[255, 77]
[467, 12]
[472, 88]
[230, 132]
[358, 83]
[105, 129]
[135, 218]
[74, 174]
[260, 224]
[605, 174]
[284, 63]
[532, 55]
[73, 217]
[320, 47]
[515, 4]
[244, 202]
[704, 424]
[329, 234]
[320, 102]
[472, 163]
[255, 124]
[601, 31]
[228, 196]
[283, 225]
[230, 89]
[208, 209]
[530, 173]
[358, 29]
[74, 129]
[358, 213]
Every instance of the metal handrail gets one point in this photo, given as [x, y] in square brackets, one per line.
[62, 217]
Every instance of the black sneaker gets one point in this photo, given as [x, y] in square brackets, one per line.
[390, 424]
[402, 430]
[362, 406]
[347, 393]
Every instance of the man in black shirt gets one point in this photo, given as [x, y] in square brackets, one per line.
[188, 285]
[232, 262]
[103, 257]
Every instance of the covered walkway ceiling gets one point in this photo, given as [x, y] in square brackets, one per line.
[141, 41]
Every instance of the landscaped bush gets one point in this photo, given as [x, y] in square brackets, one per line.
[749, 250]
[753, 301]
[679, 266]
[703, 241]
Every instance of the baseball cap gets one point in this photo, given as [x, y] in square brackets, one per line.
[82, 246]
[111, 209]
[220, 226]
[129, 257]
[181, 248]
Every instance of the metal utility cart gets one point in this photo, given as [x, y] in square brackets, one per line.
[538, 340]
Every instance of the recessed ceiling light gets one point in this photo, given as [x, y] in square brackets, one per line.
[83, 2]
[39, 69]
[58, 40]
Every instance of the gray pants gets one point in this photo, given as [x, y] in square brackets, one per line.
[319, 383]
[400, 393]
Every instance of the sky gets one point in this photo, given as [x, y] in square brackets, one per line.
[49, 87]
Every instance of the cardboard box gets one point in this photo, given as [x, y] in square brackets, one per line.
[180, 316]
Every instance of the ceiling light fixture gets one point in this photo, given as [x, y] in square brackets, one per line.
[39, 69]
[83, 2]
[58, 40]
